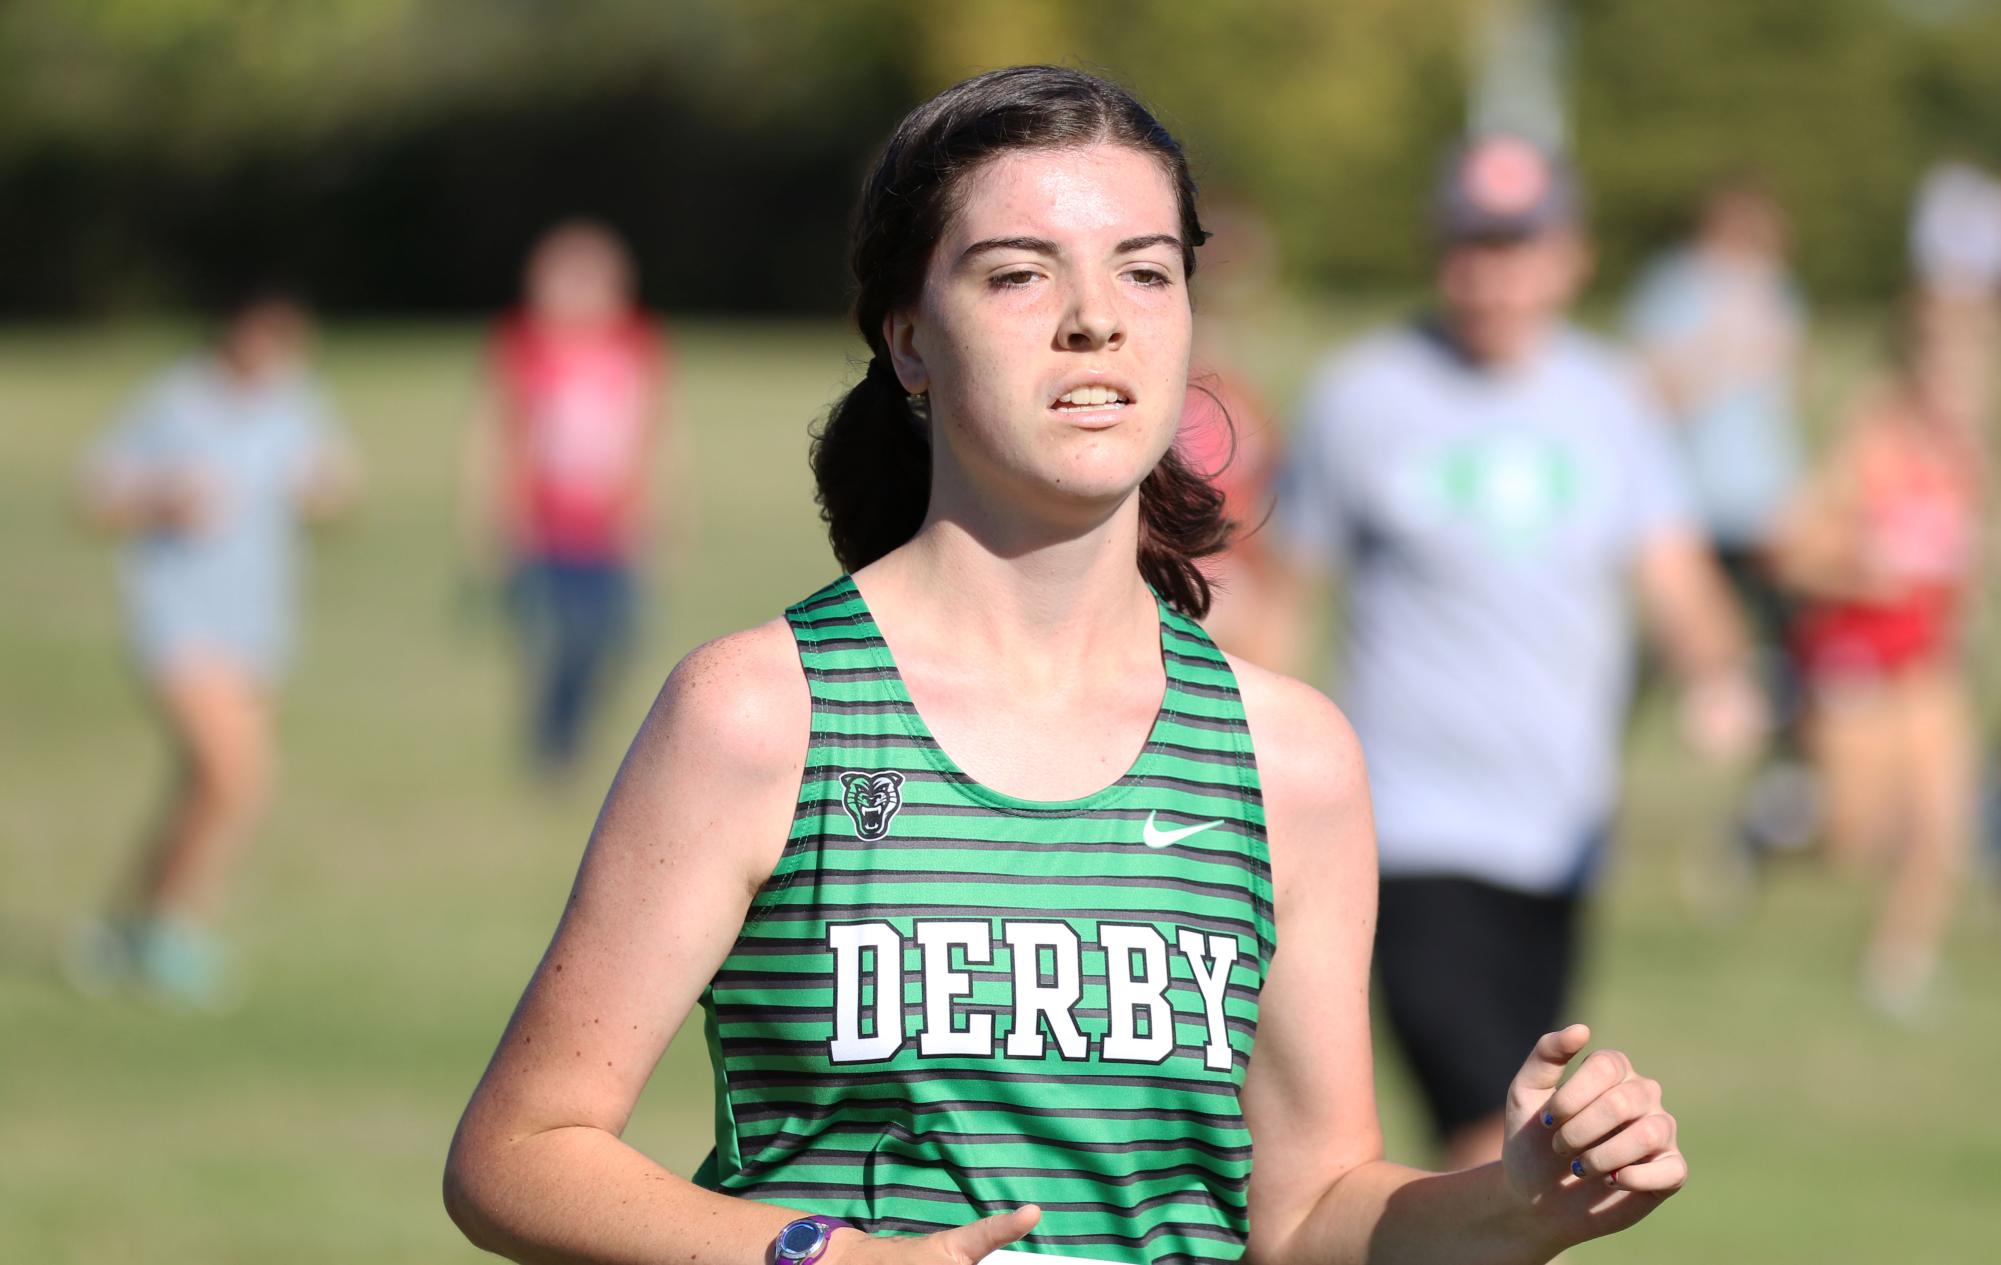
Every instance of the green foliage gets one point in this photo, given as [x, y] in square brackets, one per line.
[1328, 115]
[1810, 94]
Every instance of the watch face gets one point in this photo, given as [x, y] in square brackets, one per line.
[800, 1239]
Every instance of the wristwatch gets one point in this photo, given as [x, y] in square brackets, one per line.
[804, 1242]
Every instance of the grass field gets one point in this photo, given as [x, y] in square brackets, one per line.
[407, 879]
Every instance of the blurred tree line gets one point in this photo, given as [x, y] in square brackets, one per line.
[398, 154]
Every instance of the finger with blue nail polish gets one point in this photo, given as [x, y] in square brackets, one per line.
[1604, 1125]
[1638, 1142]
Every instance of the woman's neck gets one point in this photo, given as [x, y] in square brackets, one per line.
[1035, 603]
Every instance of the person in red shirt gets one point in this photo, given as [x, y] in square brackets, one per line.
[561, 467]
[1883, 550]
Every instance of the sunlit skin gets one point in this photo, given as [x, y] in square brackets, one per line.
[1063, 270]
[578, 276]
[1501, 298]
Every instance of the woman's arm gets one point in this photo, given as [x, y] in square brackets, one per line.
[1321, 1193]
[1694, 619]
[694, 822]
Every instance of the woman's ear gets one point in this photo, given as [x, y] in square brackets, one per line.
[899, 334]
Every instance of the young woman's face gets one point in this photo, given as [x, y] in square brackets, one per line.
[1052, 333]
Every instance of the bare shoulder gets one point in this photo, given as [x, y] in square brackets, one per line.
[1315, 786]
[741, 698]
[730, 728]
[1304, 744]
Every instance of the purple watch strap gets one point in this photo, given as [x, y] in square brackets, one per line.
[827, 1225]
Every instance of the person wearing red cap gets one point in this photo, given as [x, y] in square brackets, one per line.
[1494, 483]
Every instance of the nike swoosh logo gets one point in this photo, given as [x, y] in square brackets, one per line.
[1155, 837]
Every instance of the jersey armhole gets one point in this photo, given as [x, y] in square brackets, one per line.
[782, 876]
[1251, 786]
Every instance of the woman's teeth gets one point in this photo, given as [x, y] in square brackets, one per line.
[1090, 397]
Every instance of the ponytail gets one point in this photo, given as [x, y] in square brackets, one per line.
[1180, 519]
[872, 467]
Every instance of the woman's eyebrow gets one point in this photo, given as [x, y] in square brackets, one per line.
[1131, 244]
[1033, 245]
[1043, 246]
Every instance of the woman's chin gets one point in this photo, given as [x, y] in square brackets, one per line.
[1095, 489]
[1080, 489]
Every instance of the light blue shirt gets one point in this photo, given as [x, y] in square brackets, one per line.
[227, 588]
[1488, 523]
[1736, 331]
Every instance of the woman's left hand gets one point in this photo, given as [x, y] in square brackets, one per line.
[1595, 1155]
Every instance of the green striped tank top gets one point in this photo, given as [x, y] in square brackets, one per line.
[947, 1002]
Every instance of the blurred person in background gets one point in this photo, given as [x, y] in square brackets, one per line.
[209, 478]
[1720, 326]
[1227, 435]
[792, 842]
[1496, 483]
[1955, 254]
[561, 475]
[1955, 243]
[1883, 548]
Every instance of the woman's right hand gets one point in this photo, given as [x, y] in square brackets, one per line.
[961, 1245]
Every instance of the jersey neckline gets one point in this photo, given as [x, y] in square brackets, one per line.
[939, 759]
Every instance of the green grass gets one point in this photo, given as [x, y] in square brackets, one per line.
[407, 879]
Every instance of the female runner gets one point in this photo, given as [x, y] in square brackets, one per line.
[1883, 550]
[968, 860]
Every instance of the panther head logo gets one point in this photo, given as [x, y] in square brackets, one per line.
[872, 799]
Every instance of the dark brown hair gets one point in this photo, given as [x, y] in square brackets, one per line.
[872, 457]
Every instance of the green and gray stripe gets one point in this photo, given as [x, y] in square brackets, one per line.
[1136, 1155]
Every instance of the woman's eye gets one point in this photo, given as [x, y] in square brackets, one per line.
[1150, 277]
[1011, 280]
